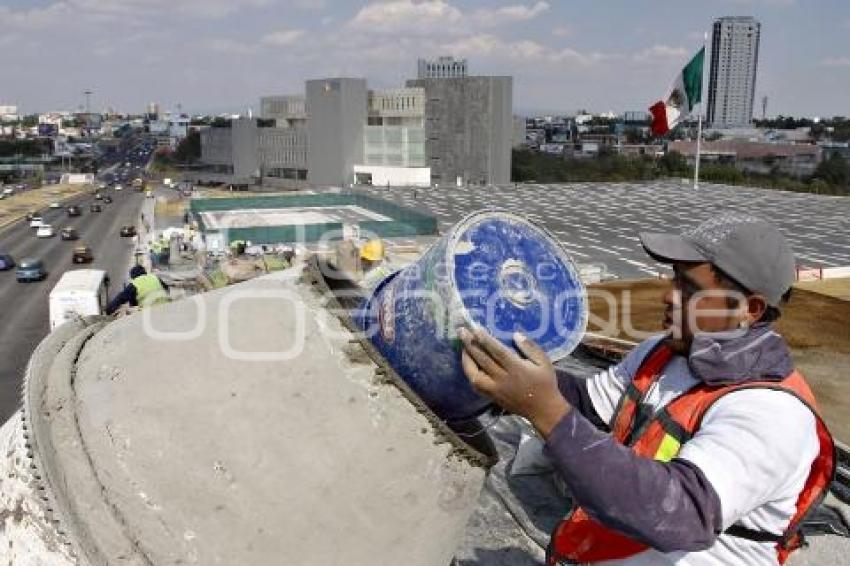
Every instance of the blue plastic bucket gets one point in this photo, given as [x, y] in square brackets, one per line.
[492, 269]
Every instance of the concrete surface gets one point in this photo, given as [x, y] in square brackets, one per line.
[167, 452]
[599, 222]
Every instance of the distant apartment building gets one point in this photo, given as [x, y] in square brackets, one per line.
[8, 113]
[441, 68]
[798, 160]
[732, 73]
[432, 131]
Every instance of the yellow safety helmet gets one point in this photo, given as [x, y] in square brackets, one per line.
[373, 250]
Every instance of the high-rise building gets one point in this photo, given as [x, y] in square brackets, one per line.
[441, 68]
[152, 110]
[468, 129]
[732, 74]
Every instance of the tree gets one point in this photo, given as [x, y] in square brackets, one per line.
[833, 170]
[674, 164]
[189, 149]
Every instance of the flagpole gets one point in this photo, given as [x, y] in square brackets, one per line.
[699, 126]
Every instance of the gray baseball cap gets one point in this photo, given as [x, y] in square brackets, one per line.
[748, 249]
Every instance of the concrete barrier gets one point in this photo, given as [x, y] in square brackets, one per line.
[243, 426]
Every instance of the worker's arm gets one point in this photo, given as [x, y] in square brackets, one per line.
[574, 390]
[666, 506]
[597, 397]
[164, 286]
[126, 296]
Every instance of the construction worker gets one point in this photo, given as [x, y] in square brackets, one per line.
[704, 444]
[371, 254]
[142, 291]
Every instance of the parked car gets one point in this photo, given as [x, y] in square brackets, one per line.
[98, 196]
[74, 210]
[45, 231]
[107, 199]
[95, 207]
[82, 254]
[128, 231]
[6, 262]
[55, 205]
[69, 233]
[36, 222]
[118, 187]
[30, 270]
[149, 194]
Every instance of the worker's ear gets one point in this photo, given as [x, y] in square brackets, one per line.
[756, 307]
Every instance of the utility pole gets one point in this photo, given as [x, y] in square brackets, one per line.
[764, 108]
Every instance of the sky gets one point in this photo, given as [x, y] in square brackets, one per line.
[564, 55]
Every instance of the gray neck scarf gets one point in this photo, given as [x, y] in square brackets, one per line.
[755, 354]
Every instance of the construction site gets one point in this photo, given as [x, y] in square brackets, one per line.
[275, 412]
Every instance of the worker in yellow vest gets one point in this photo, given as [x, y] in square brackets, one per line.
[143, 290]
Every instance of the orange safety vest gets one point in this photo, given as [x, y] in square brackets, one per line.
[579, 539]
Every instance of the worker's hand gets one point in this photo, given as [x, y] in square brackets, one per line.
[525, 386]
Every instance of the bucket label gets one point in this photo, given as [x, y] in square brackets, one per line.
[386, 315]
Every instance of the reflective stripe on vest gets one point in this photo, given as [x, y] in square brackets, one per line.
[149, 290]
[581, 539]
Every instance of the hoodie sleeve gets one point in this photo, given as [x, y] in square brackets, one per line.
[574, 390]
[668, 506]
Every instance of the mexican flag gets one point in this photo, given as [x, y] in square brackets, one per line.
[686, 92]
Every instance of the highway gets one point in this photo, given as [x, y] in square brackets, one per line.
[24, 306]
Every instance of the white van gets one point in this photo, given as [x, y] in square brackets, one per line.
[80, 292]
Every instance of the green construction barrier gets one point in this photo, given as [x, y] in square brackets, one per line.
[405, 222]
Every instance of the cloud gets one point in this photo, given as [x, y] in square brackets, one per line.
[125, 12]
[836, 62]
[282, 37]
[488, 45]
[509, 14]
[657, 52]
[406, 16]
[227, 46]
[562, 31]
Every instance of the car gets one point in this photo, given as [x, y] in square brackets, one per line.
[95, 207]
[45, 231]
[8, 191]
[3, 196]
[30, 270]
[107, 199]
[74, 210]
[149, 194]
[36, 221]
[98, 196]
[55, 205]
[82, 254]
[119, 187]
[128, 231]
[6, 262]
[69, 233]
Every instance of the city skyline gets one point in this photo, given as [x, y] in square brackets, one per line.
[217, 55]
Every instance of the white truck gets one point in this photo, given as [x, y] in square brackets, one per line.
[80, 292]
